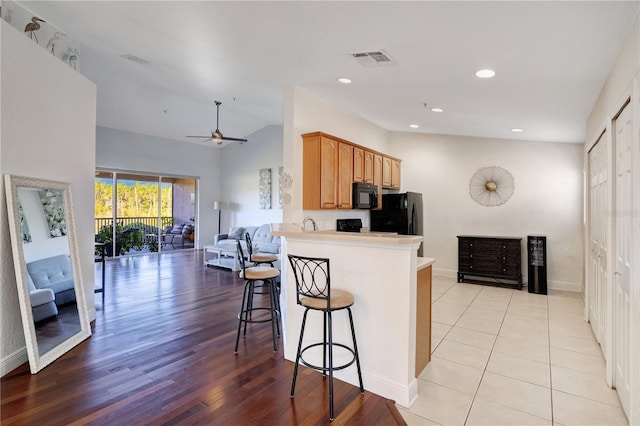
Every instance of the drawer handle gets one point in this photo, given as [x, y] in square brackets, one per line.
[471, 266]
[470, 255]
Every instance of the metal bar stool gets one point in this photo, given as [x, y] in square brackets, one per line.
[258, 258]
[267, 276]
[313, 291]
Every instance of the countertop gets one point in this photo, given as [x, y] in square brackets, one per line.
[293, 230]
[423, 262]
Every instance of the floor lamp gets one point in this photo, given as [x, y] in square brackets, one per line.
[217, 205]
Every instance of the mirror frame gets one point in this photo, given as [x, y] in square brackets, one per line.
[36, 361]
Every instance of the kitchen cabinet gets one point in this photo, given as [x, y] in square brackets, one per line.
[390, 173]
[345, 175]
[395, 173]
[423, 316]
[358, 164]
[377, 176]
[327, 172]
[331, 165]
[386, 172]
[368, 167]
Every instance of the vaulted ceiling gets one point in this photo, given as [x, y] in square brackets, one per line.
[550, 58]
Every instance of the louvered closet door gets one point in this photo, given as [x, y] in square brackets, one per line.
[623, 216]
[599, 199]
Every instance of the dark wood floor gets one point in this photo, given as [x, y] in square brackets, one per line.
[162, 353]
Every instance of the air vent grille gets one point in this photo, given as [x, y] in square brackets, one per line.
[373, 58]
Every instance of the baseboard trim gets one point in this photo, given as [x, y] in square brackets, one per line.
[564, 286]
[403, 394]
[552, 285]
[13, 361]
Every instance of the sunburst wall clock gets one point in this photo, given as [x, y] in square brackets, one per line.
[491, 186]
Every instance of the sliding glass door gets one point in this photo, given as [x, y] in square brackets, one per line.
[138, 213]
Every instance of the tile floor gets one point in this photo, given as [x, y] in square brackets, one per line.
[508, 357]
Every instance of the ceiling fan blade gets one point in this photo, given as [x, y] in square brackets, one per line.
[225, 138]
[201, 137]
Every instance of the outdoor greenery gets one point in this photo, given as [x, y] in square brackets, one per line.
[127, 238]
[135, 199]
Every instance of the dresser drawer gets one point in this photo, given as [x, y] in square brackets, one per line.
[490, 257]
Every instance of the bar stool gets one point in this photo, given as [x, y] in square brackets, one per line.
[313, 291]
[267, 276]
[258, 258]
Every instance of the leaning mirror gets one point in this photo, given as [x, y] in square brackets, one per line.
[47, 264]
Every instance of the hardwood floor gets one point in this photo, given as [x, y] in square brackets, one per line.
[162, 353]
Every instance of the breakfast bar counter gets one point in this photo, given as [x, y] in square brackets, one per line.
[392, 310]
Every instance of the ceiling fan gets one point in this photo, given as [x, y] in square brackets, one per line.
[217, 136]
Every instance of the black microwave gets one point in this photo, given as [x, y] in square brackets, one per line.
[365, 196]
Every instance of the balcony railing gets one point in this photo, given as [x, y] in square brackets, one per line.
[147, 224]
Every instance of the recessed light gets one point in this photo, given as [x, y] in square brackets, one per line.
[485, 73]
[437, 109]
[414, 126]
[344, 80]
[516, 130]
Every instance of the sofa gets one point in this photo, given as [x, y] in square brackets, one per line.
[43, 301]
[261, 238]
[50, 285]
[178, 235]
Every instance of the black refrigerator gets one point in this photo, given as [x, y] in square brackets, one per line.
[401, 213]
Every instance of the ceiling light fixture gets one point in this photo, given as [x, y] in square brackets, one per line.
[414, 126]
[516, 130]
[485, 73]
[344, 80]
[437, 109]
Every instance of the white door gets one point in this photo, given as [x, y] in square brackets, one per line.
[623, 195]
[599, 200]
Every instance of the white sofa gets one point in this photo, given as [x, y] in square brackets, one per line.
[261, 238]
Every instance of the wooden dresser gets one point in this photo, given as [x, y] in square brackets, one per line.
[490, 257]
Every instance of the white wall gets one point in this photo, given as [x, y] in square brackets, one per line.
[47, 131]
[240, 168]
[547, 198]
[126, 151]
[306, 113]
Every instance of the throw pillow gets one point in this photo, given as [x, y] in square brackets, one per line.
[177, 229]
[236, 233]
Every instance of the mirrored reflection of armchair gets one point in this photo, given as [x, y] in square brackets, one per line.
[178, 235]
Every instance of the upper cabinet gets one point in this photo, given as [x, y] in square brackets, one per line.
[358, 164]
[395, 173]
[368, 167]
[331, 165]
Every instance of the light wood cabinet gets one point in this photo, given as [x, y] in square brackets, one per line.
[386, 172]
[345, 175]
[331, 165]
[395, 174]
[368, 167]
[423, 319]
[377, 176]
[358, 164]
[327, 172]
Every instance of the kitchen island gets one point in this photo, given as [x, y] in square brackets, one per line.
[392, 310]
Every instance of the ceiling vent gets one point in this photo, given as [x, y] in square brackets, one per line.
[373, 58]
[136, 59]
